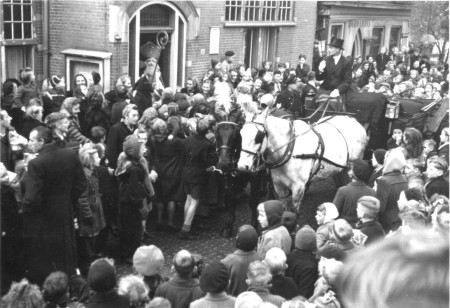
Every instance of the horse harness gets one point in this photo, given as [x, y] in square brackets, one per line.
[317, 155]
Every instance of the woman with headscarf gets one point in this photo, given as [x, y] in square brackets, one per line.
[389, 187]
[71, 108]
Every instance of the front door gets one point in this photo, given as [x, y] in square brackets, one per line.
[143, 28]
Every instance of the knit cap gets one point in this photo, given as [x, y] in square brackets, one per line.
[148, 260]
[214, 278]
[362, 170]
[306, 238]
[247, 239]
[369, 203]
[379, 155]
[150, 113]
[102, 276]
[229, 53]
[214, 63]
[132, 146]
[274, 211]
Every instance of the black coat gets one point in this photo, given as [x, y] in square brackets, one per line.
[382, 60]
[283, 286]
[336, 76]
[29, 124]
[198, 154]
[114, 142]
[291, 102]
[302, 73]
[143, 97]
[54, 182]
[166, 160]
[108, 300]
[372, 229]
[96, 117]
[303, 268]
[438, 185]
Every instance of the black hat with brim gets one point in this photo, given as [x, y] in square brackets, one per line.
[336, 42]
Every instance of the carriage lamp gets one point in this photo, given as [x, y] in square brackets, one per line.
[392, 110]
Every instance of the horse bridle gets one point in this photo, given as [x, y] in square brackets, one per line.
[226, 147]
[256, 155]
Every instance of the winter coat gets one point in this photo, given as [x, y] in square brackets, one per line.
[108, 300]
[347, 197]
[336, 76]
[28, 124]
[277, 237]
[381, 60]
[143, 97]
[291, 102]
[323, 233]
[54, 182]
[303, 268]
[372, 229]
[283, 286]
[198, 154]
[91, 219]
[116, 136]
[24, 93]
[389, 187]
[438, 185]
[221, 300]
[237, 264]
[166, 160]
[74, 134]
[265, 295]
[302, 73]
[180, 292]
[96, 116]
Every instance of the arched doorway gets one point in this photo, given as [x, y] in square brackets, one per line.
[357, 49]
[143, 26]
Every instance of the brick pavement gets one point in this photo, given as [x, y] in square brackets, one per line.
[209, 244]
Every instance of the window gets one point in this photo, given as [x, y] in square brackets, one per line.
[17, 20]
[258, 11]
[252, 11]
[284, 12]
[233, 10]
[394, 40]
[336, 31]
[377, 38]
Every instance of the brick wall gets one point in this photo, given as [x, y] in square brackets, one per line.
[83, 24]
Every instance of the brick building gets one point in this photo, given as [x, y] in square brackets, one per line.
[366, 26]
[67, 37]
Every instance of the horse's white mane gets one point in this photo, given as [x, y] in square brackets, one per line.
[247, 104]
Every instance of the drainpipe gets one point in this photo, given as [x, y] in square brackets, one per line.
[45, 40]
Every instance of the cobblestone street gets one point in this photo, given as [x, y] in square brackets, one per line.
[210, 244]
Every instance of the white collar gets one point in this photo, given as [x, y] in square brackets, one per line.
[443, 145]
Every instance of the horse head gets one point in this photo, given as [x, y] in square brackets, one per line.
[254, 142]
[228, 143]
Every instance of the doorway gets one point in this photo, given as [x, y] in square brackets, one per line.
[260, 45]
[144, 26]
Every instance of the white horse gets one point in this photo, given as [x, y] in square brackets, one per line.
[297, 152]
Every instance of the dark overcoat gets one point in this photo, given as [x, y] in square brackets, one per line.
[389, 187]
[166, 160]
[54, 182]
[336, 76]
[198, 154]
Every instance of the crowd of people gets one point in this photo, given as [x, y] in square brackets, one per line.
[81, 166]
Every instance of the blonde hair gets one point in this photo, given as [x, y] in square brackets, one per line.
[86, 154]
[258, 273]
[23, 295]
[135, 288]
[275, 260]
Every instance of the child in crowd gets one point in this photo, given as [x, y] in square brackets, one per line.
[237, 262]
[326, 215]
[135, 289]
[341, 236]
[413, 170]
[214, 282]
[347, 196]
[258, 279]
[148, 261]
[174, 123]
[397, 135]
[367, 210]
[377, 164]
[274, 234]
[437, 183]
[290, 222]
[281, 285]
[325, 287]
[428, 150]
[302, 263]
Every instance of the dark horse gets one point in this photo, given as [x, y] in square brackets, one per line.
[228, 143]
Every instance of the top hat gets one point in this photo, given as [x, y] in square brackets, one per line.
[336, 42]
[150, 50]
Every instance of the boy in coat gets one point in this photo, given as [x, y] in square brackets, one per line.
[367, 210]
[238, 261]
[281, 285]
[258, 281]
[274, 234]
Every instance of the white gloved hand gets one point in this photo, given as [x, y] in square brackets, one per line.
[322, 65]
[153, 176]
[334, 93]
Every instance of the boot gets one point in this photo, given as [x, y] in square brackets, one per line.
[187, 236]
